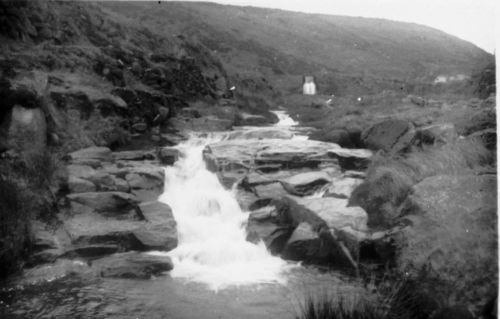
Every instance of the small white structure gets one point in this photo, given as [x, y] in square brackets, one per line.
[309, 87]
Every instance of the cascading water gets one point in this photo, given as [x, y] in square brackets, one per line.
[212, 247]
[284, 119]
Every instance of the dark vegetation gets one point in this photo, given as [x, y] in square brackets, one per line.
[27, 186]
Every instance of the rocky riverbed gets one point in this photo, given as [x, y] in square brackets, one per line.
[293, 198]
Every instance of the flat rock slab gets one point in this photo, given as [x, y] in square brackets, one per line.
[305, 184]
[132, 265]
[260, 133]
[335, 213]
[96, 153]
[134, 155]
[91, 229]
[342, 187]
[106, 202]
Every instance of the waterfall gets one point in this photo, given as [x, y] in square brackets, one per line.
[284, 119]
[212, 247]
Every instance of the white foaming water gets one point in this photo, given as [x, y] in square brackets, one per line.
[284, 119]
[212, 247]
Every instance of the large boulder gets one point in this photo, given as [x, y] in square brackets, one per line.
[267, 225]
[381, 195]
[306, 245]
[453, 233]
[389, 135]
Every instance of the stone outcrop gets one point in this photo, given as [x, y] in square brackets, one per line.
[388, 135]
[112, 208]
[296, 191]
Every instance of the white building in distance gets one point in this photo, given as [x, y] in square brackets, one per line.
[309, 87]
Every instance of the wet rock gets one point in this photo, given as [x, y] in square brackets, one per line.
[171, 139]
[305, 184]
[260, 133]
[120, 185]
[272, 190]
[306, 245]
[168, 155]
[388, 135]
[245, 198]
[335, 212]
[140, 176]
[352, 159]
[342, 187]
[235, 158]
[245, 119]
[132, 265]
[205, 123]
[80, 171]
[88, 230]
[106, 202]
[94, 153]
[133, 156]
[265, 224]
[78, 185]
[91, 251]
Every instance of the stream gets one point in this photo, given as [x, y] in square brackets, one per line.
[217, 272]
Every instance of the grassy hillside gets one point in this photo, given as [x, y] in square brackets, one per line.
[346, 54]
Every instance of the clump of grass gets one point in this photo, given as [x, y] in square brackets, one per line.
[323, 307]
[394, 297]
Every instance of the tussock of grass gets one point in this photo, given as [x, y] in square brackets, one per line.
[326, 306]
[392, 299]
